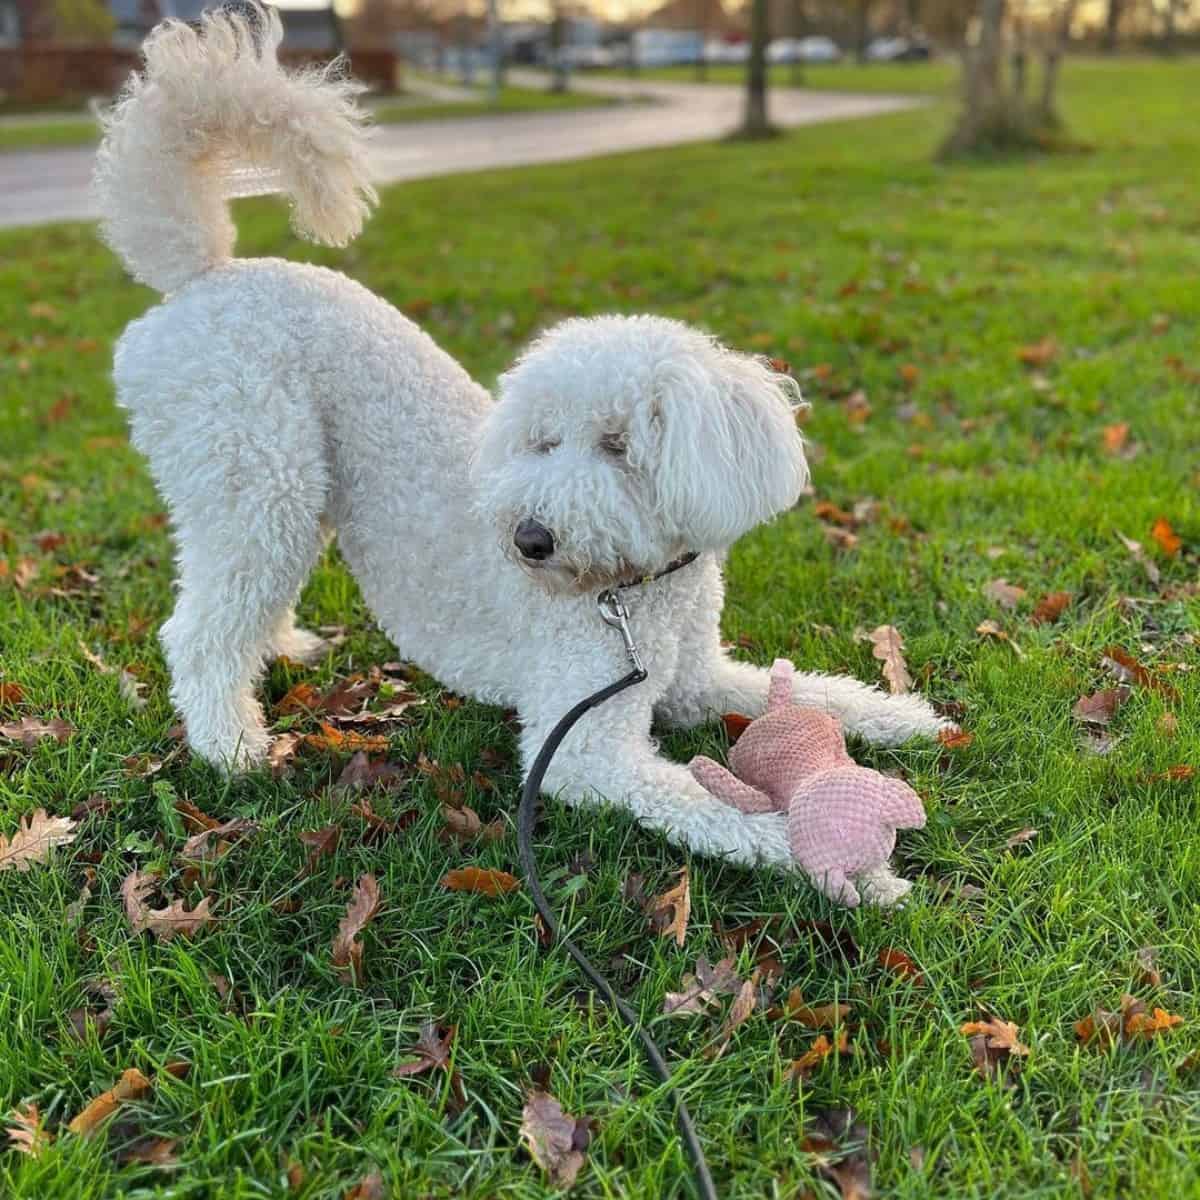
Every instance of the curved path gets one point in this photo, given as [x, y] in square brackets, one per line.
[52, 185]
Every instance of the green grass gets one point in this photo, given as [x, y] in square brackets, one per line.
[842, 245]
[932, 78]
[40, 135]
[36, 135]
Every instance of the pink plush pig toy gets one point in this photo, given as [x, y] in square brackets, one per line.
[842, 818]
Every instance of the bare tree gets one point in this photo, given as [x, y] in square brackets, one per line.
[1112, 24]
[560, 79]
[755, 123]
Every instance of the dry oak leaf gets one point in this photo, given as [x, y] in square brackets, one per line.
[11, 694]
[802, 1067]
[700, 991]
[30, 730]
[1101, 1026]
[1147, 966]
[735, 725]
[151, 1152]
[1127, 669]
[369, 1187]
[669, 912]
[991, 630]
[1038, 354]
[164, 923]
[432, 1049]
[347, 950]
[1000, 1035]
[824, 1016]
[1138, 1022]
[955, 739]
[130, 1086]
[1139, 556]
[25, 1132]
[556, 1141]
[35, 837]
[1006, 594]
[900, 964]
[1169, 542]
[1100, 707]
[888, 646]
[1115, 437]
[1050, 607]
[484, 881]
[1020, 838]
[345, 741]
[740, 1010]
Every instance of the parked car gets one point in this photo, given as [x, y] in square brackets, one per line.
[898, 49]
[805, 50]
[718, 52]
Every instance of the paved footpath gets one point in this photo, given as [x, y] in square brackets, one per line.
[52, 185]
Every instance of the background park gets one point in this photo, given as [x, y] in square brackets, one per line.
[989, 296]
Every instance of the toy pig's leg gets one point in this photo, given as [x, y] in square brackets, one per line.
[834, 884]
[900, 806]
[882, 886]
[728, 787]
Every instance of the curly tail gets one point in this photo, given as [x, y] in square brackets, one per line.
[211, 100]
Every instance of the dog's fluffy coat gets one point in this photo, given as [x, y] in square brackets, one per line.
[276, 401]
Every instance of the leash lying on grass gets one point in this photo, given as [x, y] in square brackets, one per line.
[614, 613]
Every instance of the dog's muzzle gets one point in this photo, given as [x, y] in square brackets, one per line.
[533, 540]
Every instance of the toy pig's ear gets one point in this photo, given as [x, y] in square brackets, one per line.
[780, 692]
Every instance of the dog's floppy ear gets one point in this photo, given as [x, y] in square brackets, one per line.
[729, 453]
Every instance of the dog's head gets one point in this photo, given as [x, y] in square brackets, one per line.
[619, 443]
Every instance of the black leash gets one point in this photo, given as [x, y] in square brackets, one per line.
[614, 613]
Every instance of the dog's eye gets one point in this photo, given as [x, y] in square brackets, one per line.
[614, 445]
[545, 445]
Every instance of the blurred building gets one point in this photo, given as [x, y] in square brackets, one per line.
[309, 30]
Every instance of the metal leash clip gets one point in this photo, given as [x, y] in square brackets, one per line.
[614, 613]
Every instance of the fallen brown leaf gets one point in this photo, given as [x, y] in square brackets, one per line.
[151, 1152]
[1147, 966]
[955, 739]
[1139, 556]
[802, 1067]
[282, 750]
[1127, 669]
[1101, 1026]
[26, 1134]
[345, 741]
[669, 912]
[163, 923]
[347, 950]
[1115, 437]
[700, 991]
[485, 881]
[36, 835]
[735, 725]
[432, 1049]
[30, 730]
[740, 1010]
[556, 1141]
[989, 629]
[1050, 607]
[900, 964]
[11, 694]
[1038, 354]
[1100, 707]
[888, 646]
[369, 1187]
[1138, 1022]
[363, 772]
[130, 1086]
[824, 1016]
[1020, 838]
[320, 843]
[1006, 594]
[1169, 542]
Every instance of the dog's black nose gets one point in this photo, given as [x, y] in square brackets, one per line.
[533, 540]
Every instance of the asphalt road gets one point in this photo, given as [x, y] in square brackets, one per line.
[52, 185]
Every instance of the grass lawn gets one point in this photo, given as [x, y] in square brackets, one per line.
[78, 132]
[846, 251]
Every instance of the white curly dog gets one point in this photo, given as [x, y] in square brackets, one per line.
[276, 401]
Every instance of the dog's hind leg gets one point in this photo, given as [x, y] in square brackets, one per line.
[288, 640]
[248, 527]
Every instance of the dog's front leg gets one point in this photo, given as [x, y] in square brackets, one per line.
[711, 685]
[609, 758]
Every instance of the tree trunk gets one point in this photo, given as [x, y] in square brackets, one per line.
[755, 124]
[982, 98]
[36, 19]
[862, 29]
[560, 80]
[1112, 22]
[702, 27]
[796, 73]
[1048, 109]
[496, 49]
